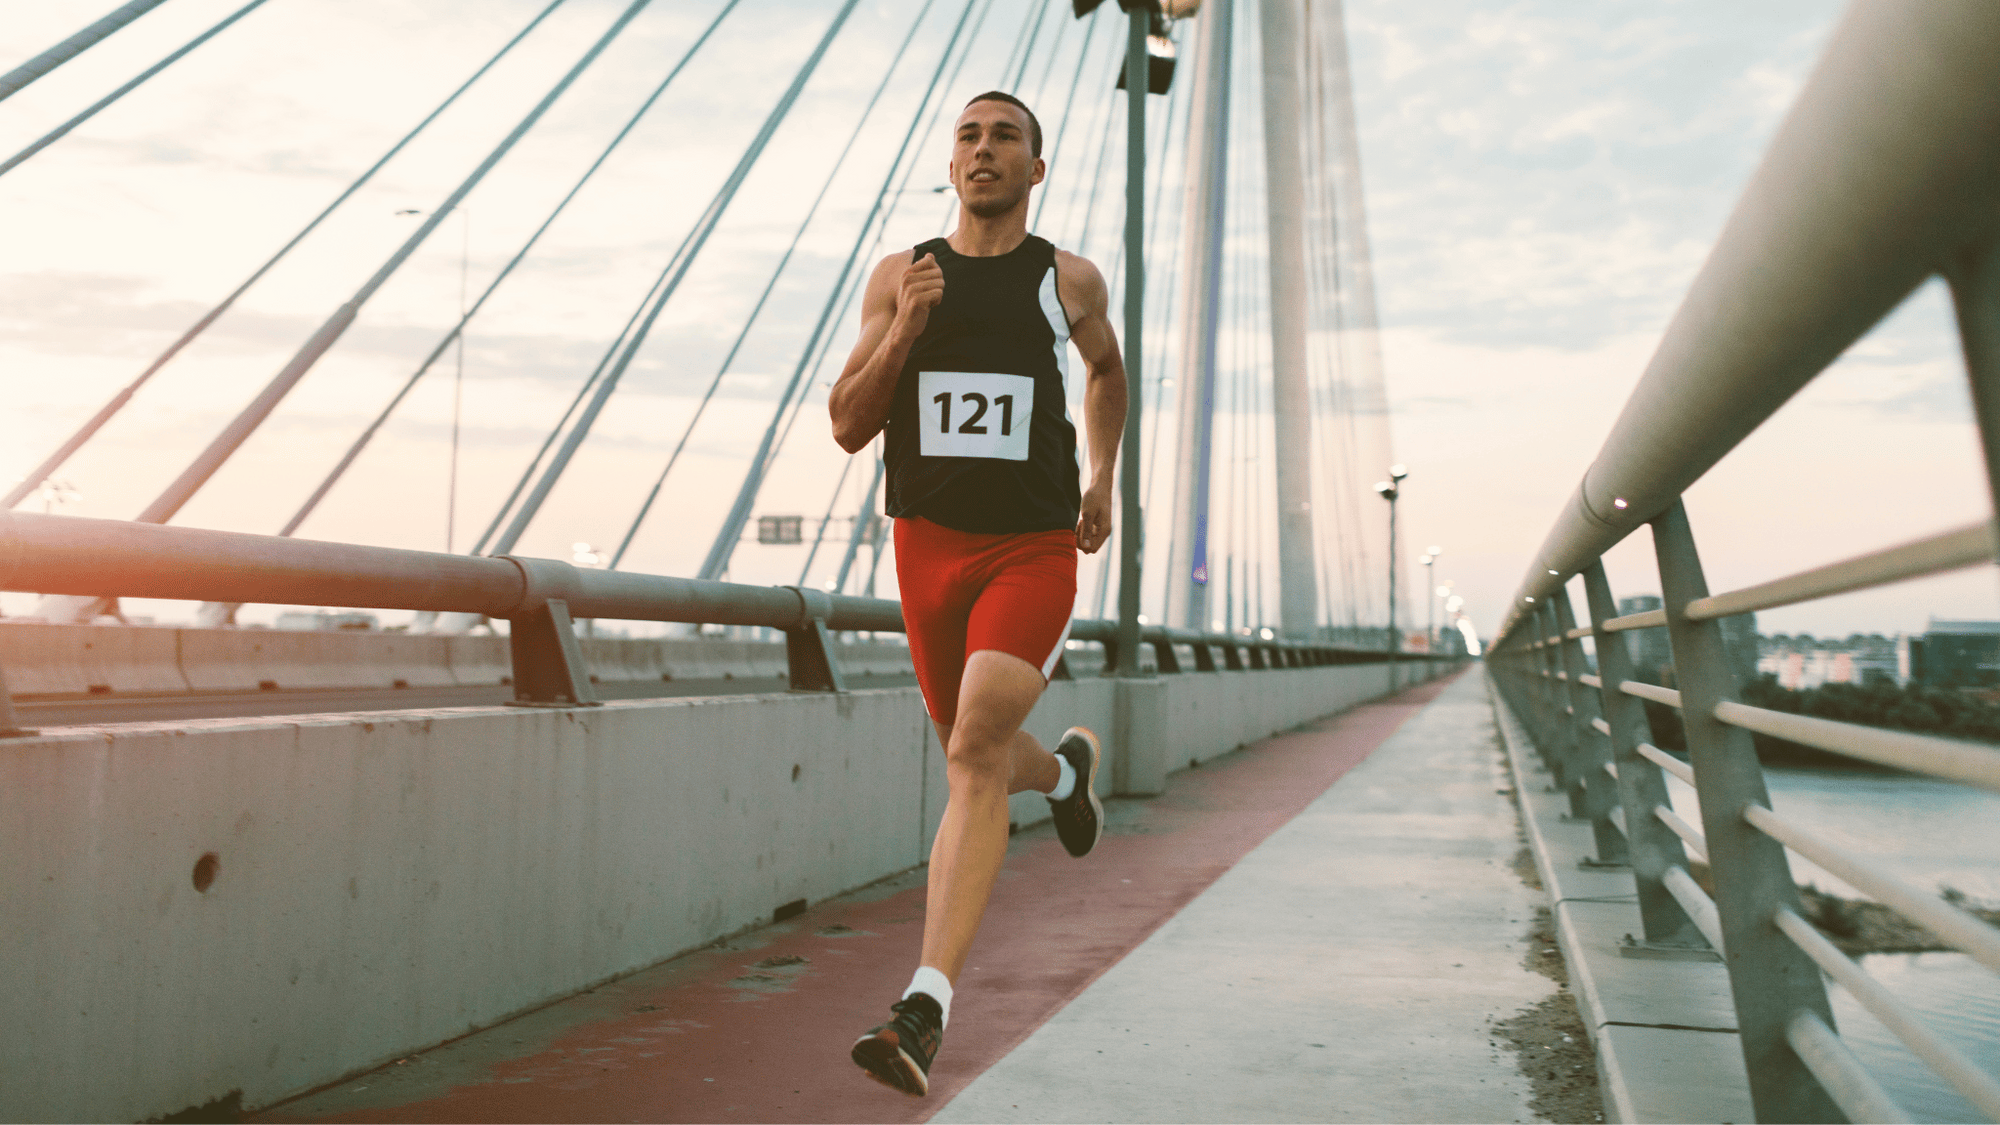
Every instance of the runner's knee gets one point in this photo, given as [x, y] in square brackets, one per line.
[979, 744]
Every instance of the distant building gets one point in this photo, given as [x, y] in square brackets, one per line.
[1957, 654]
[1806, 661]
[1653, 654]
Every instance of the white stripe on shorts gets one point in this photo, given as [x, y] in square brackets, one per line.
[1049, 665]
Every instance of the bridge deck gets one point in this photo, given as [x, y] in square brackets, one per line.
[1319, 928]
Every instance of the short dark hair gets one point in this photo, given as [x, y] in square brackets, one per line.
[1034, 123]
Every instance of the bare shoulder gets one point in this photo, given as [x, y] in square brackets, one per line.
[1080, 285]
[887, 275]
[892, 267]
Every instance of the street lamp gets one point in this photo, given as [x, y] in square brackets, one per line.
[1389, 490]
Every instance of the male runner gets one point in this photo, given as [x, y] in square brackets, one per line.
[962, 362]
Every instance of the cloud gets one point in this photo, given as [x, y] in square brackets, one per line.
[1537, 175]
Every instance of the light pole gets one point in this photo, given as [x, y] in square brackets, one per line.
[1389, 490]
[458, 378]
[1430, 604]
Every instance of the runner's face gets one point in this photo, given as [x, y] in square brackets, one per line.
[992, 164]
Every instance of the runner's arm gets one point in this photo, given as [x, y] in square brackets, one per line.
[894, 309]
[1083, 293]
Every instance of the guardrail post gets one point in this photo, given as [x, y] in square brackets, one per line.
[1975, 294]
[1164, 656]
[1554, 737]
[1771, 979]
[1652, 847]
[8, 727]
[549, 670]
[810, 656]
[1232, 657]
[1204, 657]
[1598, 791]
[1256, 655]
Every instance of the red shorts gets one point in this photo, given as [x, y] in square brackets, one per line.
[963, 592]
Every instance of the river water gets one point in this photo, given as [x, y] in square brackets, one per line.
[1937, 835]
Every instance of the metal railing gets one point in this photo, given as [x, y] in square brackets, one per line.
[538, 597]
[1886, 173]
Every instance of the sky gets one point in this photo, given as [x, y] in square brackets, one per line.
[1543, 181]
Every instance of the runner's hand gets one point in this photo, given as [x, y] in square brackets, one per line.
[1093, 526]
[921, 290]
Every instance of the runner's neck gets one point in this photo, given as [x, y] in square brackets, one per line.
[989, 238]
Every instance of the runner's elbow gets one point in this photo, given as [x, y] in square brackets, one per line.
[853, 436]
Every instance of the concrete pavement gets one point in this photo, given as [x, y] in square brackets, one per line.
[1346, 969]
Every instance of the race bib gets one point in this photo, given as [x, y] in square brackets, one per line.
[975, 414]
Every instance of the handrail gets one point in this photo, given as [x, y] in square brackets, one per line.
[1644, 619]
[1966, 933]
[1850, 210]
[1978, 1087]
[1947, 758]
[51, 554]
[1839, 1072]
[1935, 554]
[1882, 176]
[1654, 692]
[1697, 844]
[1667, 762]
[73, 555]
[1695, 901]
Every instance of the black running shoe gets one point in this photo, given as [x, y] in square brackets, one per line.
[1080, 816]
[898, 1054]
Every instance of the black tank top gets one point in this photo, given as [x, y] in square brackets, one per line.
[979, 437]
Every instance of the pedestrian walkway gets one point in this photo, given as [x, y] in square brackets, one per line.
[1346, 969]
[1319, 927]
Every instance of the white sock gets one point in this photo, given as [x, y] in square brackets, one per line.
[1066, 784]
[935, 985]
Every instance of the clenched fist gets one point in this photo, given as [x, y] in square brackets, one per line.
[921, 290]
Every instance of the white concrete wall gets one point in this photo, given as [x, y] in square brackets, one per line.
[391, 880]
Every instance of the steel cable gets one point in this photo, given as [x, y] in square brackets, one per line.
[118, 401]
[676, 271]
[725, 540]
[458, 330]
[92, 34]
[1062, 126]
[777, 272]
[64, 129]
[211, 459]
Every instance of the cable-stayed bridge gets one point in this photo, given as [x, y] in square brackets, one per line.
[532, 369]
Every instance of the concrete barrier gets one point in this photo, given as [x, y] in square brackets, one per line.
[479, 659]
[862, 659]
[65, 660]
[56, 660]
[613, 658]
[268, 905]
[247, 659]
